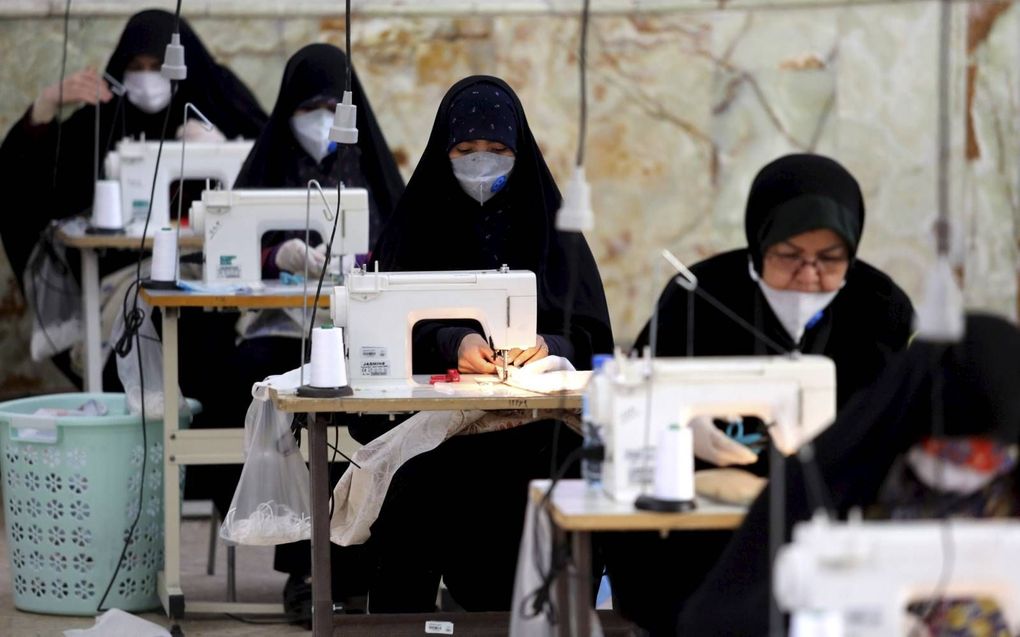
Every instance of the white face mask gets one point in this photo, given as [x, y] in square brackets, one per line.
[795, 310]
[311, 130]
[482, 174]
[148, 90]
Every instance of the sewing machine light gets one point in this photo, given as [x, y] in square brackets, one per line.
[940, 317]
[173, 60]
[345, 122]
[575, 213]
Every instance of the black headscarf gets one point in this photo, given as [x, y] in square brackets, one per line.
[27, 153]
[212, 88]
[275, 161]
[867, 322]
[436, 226]
[975, 388]
[798, 193]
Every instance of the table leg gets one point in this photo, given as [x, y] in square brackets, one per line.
[322, 595]
[90, 312]
[171, 470]
[561, 586]
[581, 597]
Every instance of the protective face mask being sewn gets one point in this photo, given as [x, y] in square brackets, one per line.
[795, 310]
[311, 130]
[482, 174]
[148, 90]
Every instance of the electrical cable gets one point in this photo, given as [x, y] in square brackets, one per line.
[60, 92]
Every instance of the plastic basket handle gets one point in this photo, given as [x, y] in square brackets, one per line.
[29, 428]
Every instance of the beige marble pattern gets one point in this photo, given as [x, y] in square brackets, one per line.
[686, 104]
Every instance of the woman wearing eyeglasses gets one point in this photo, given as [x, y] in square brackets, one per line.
[800, 283]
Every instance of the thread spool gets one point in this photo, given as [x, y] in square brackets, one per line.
[107, 214]
[328, 377]
[164, 260]
[674, 472]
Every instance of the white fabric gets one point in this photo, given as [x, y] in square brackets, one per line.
[547, 375]
[535, 550]
[482, 174]
[712, 445]
[195, 131]
[117, 623]
[148, 90]
[311, 130]
[359, 495]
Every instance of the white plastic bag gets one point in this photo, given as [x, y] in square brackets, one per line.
[150, 374]
[54, 297]
[272, 503]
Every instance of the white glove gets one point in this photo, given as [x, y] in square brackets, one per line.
[195, 131]
[291, 257]
[712, 445]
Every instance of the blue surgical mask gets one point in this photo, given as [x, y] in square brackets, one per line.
[482, 174]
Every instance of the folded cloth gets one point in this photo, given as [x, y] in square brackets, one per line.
[729, 485]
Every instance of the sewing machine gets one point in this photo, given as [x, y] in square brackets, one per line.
[379, 309]
[134, 163]
[233, 222]
[855, 579]
[797, 395]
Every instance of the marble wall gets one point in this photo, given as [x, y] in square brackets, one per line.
[686, 104]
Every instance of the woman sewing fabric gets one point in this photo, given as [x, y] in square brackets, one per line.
[936, 436]
[480, 197]
[294, 148]
[29, 161]
[800, 284]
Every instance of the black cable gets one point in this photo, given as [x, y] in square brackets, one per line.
[540, 599]
[336, 450]
[347, 28]
[291, 619]
[60, 92]
[113, 124]
[132, 323]
[582, 63]
[141, 482]
[177, 18]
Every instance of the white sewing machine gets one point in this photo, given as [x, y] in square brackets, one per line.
[232, 223]
[855, 579]
[133, 163]
[798, 395]
[379, 309]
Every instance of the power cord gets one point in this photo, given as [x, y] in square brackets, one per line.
[133, 321]
[60, 92]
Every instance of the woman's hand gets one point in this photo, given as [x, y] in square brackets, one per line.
[474, 356]
[84, 87]
[518, 358]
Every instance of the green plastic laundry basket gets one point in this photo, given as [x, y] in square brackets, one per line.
[70, 487]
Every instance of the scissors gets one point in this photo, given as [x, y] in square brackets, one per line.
[735, 429]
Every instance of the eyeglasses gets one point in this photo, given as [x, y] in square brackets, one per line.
[791, 262]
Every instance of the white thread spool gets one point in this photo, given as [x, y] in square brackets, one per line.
[164, 255]
[674, 464]
[328, 369]
[106, 208]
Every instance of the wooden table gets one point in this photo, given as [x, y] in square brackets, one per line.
[201, 446]
[577, 511]
[72, 234]
[380, 401]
